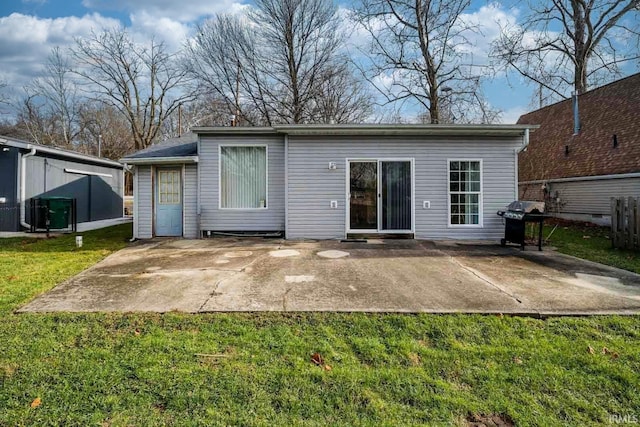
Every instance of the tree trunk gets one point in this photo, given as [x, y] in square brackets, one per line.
[580, 61]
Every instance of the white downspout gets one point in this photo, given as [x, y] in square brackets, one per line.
[23, 186]
[130, 168]
[525, 144]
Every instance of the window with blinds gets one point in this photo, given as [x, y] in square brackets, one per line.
[243, 177]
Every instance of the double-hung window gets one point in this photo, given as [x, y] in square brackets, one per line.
[243, 177]
[465, 192]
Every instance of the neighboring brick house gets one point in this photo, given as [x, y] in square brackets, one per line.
[578, 174]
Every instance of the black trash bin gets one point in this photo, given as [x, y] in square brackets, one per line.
[58, 210]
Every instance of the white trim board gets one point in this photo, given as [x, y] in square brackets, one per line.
[81, 172]
[583, 178]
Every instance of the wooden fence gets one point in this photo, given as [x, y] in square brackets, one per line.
[625, 222]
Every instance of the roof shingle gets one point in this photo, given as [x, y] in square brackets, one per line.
[613, 109]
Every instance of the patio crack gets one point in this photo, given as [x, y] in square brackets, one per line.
[483, 278]
[211, 295]
[235, 273]
[284, 299]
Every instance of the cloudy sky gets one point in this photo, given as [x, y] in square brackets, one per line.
[30, 28]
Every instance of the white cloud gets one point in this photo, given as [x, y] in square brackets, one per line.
[172, 32]
[26, 41]
[489, 21]
[183, 10]
[511, 115]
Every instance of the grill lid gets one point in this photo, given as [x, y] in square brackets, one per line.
[527, 207]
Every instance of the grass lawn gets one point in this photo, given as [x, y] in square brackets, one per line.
[592, 243]
[250, 369]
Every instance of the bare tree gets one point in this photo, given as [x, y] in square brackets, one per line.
[569, 45]
[300, 39]
[104, 130]
[40, 126]
[58, 98]
[207, 110]
[223, 58]
[144, 83]
[271, 65]
[340, 98]
[417, 50]
[4, 99]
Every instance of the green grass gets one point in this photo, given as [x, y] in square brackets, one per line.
[133, 369]
[591, 243]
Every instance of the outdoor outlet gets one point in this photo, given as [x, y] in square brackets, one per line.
[332, 166]
[334, 204]
[426, 204]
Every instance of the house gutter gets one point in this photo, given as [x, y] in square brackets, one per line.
[159, 160]
[23, 186]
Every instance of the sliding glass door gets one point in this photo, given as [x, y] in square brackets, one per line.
[380, 195]
[396, 195]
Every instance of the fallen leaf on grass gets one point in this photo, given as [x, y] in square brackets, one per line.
[136, 332]
[591, 350]
[12, 278]
[414, 359]
[517, 361]
[327, 367]
[317, 359]
[613, 354]
[36, 402]
[586, 237]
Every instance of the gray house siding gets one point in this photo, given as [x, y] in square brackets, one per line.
[215, 219]
[312, 185]
[594, 197]
[190, 201]
[144, 200]
[98, 197]
[584, 199]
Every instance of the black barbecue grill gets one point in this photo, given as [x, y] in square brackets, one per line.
[516, 216]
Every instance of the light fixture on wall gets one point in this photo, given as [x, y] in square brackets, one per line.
[333, 166]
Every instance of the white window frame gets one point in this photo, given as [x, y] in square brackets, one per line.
[480, 194]
[266, 200]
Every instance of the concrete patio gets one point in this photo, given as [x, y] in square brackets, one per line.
[230, 274]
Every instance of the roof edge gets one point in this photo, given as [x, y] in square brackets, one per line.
[159, 160]
[25, 145]
[372, 129]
